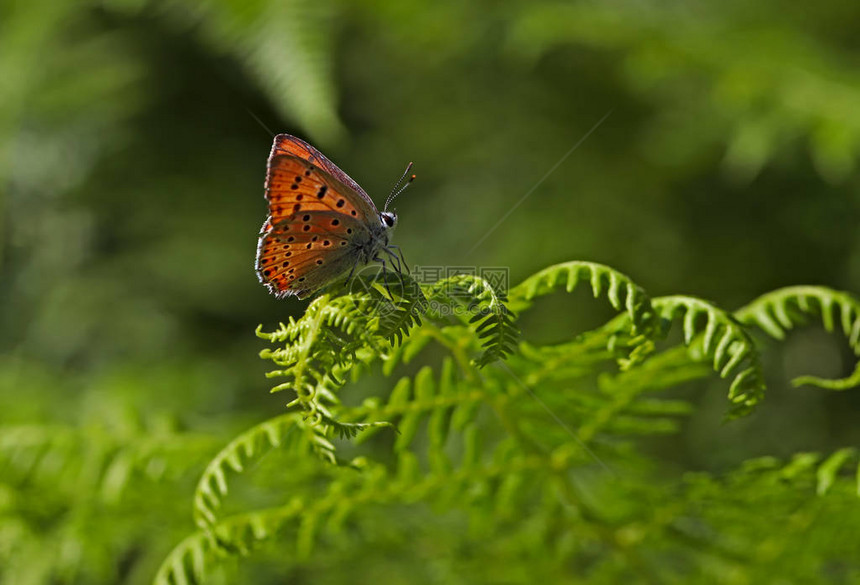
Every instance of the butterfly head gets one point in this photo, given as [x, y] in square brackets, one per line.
[388, 219]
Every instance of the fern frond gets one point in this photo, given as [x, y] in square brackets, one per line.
[237, 535]
[91, 459]
[445, 403]
[805, 470]
[333, 339]
[628, 412]
[488, 313]
[828, 471]
[725, 342]
[621, 292]
[346, 430]
[289, 432]
[402, 310]
[488, 484]
[779, 311]
[25, 448]
[812, 497]
[235, 457]
[186, 563]
[492, 442]
[406, 351]
[323, 342]
[337, 333]
[597, 406]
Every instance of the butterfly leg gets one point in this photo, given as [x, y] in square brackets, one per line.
[395, 261]
[398, 266]
[400, 254]
[384, 275]
[352, 272]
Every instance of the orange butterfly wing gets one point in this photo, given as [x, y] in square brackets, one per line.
[286, 144]
[315, 228]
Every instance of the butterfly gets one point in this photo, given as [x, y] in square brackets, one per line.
[321, 223]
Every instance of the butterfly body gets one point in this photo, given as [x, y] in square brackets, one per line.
[321, 224]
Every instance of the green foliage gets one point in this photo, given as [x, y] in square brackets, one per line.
[779, 311]
[95, 484]
[567, 275]
[725, 342]
[287, 46]
[420, 447]
[553, 433]
[758, 103]
[337, 333]
[487, 312]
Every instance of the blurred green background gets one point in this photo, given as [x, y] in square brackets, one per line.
[131, 172]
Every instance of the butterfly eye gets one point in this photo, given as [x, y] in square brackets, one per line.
[388, 218]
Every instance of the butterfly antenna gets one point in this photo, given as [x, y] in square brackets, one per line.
[398, 189]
